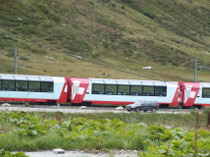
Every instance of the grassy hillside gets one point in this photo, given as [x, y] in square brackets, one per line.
[124, 35]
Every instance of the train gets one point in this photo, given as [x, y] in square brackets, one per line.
[88, 91]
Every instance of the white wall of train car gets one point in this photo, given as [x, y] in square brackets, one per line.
[199, 99]
[171, 90]
[55, 95]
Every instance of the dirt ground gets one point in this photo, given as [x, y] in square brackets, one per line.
[79, 153]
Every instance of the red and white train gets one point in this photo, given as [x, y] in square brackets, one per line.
[87, 91]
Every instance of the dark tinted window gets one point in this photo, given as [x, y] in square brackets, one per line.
[34, 86]
[111, 89]
[123, 90]
[160, 91]
[148, 91]
[21, 85]
[46, 86]
[97, 89]
[0, 84]
[136, 90]
[206, 92]
[8, 85]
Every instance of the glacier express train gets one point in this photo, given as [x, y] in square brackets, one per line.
[87, 91]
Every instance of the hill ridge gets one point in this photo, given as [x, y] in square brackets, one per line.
[113, 33]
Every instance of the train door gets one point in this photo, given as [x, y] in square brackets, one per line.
[177, 96]
[180, 95]
[68, 91]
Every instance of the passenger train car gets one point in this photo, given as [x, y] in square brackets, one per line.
[123, 92]
[28, 88]
[87, 91]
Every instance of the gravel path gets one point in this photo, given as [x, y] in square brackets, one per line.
[118, 153]
[78, 110]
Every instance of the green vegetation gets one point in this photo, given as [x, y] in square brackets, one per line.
[186, 121]
[44, 131]
[22, 131]
[174, 142]
[127, 34]
[4, 153]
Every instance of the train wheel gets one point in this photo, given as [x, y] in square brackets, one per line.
[197, 106]
[38, 103]
[51, 103]
[164, 105]
[86, 104]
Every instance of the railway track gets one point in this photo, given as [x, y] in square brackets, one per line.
[79, 109]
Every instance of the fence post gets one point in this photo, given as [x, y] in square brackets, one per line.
[195, 77]
[208, 121]
[196, 132]
[59, 118]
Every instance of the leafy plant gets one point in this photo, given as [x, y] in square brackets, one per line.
[4, 153]
[174, 142]
[28, 125]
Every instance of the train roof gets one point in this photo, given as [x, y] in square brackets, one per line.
[127, 82]
[25, 77]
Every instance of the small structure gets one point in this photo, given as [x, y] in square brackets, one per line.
[6, 105]
[147, 68]
[58, 151]
[119, 108]
[83, 107]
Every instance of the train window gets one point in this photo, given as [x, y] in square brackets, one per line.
[8, 85]
[123, 90]
[34, 86]
[111, 89]
[148, 90]
[97, 89]
[46, 86]
[136, 90]
[21, 85]
[206, 92]
[160, 91]
[0, 84]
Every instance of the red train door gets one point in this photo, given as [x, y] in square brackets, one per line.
[180, 95]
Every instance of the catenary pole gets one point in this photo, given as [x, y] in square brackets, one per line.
[15, 53]
[196, 60]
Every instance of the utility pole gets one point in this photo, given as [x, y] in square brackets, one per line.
[15, 53]
[195, 77]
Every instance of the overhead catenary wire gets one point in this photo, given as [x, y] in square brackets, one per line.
[72, 55]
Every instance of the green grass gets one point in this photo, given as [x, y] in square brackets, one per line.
[174, 120]
[128, 34]
[12, 142]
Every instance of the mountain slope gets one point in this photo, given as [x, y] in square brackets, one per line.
[124, 34]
